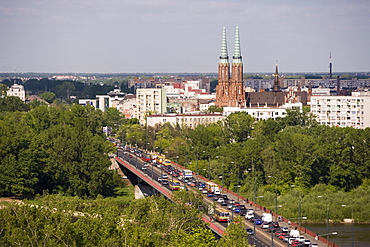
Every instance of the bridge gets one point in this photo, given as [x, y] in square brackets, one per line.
[148, 175]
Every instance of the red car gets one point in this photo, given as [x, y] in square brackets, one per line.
[295, 243]
[282, 235]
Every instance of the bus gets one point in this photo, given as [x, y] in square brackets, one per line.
[167, 162]
[160, 159]
[222, 215]
[175, 185]
[213, 188]
[146, 157]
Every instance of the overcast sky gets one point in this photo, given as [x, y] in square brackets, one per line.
[128, 36]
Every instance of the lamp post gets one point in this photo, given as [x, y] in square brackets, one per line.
[276, 204]
[327, 218]
[353, 225]
[327, 234]
[209, 168]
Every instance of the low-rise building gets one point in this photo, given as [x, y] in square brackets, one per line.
[189, 120]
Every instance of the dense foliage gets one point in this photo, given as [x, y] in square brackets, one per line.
[55, 150]
[288, 156]
[153, 221]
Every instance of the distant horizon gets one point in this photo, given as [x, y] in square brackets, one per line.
[173, 36]
[175, 73]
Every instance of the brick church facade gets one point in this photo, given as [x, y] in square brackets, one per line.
[230, 89]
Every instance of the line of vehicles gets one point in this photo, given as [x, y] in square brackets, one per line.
[227, 209]
[291, 237]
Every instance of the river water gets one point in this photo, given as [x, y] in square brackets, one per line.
[361, 236]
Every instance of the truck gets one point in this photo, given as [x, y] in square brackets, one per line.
[188, 174]
[294, 233]
[266, 217]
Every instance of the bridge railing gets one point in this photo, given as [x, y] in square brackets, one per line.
[253, 204]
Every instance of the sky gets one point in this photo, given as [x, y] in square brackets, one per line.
[179, 36]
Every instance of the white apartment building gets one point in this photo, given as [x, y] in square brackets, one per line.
[343, 111]
[150, 101]
[17, 91]
[190, 120]
[103, 102]
[263, 112]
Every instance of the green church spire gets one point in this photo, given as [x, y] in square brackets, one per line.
[224, 58]
[237, 58]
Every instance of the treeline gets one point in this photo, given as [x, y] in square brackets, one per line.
[271, 159]
[294, 150]
[59, 149]
[153, 221]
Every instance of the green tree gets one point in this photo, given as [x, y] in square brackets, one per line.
[240, 125]
[48, 97]
[213, 109]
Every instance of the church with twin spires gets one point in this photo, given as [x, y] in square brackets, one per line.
[230, 91]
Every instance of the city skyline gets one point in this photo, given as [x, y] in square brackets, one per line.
[171, 36]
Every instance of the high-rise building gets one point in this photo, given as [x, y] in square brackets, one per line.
[230, 89]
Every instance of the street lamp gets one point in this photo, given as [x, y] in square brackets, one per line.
[353, 224]
[254, 221]
[276, 206]
[327, 234]
[327, 218]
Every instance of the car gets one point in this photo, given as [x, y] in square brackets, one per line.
[215, 197]
[314, 245]
[250, 210]
[285, 229]
[286, 238]
[292, 239]
[265, 225]
[275, 224]
[307, 242]
[224, 203]
[143, 168]
[258, 221]
[204, 191]
[271, 228]
[160, 179]
[237, 204]
[210, 194]
[242, 207]
[165, 182]
[220, 199]
[277, 233]
[164, 176]
[236, 209]
[230, 204]
[225, 197]
[294, 242]
[249, 216]
[250, 231]
[243, 212]
[301, 238]
[282, 236]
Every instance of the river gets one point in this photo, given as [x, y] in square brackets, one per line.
[361, 236]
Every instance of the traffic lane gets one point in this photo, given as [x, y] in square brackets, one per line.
[156, 172]
[151, 171]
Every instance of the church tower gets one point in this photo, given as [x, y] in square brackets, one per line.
[222, 89]
[276, 87]
[230, 90]
[237, 87]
